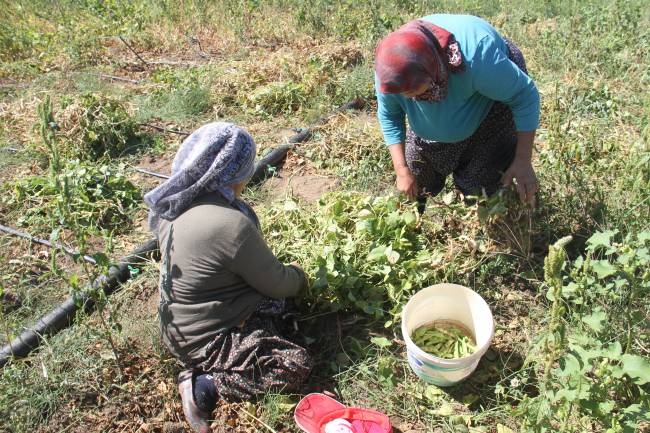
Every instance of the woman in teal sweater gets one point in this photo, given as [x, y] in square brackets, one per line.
[471, 107]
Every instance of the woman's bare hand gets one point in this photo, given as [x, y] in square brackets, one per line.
[522, 170]
[406, 183]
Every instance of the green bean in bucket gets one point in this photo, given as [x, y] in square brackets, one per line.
[444, 341]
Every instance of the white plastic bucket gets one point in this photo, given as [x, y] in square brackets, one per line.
[453, 303]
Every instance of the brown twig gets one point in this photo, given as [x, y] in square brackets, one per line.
[133, 51]
[161, 129]
[151, 173]
[195, 41]
[46, 243]
[114, 78]
[174, 63]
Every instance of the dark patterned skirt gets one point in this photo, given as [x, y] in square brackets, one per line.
[478, 162]
[253, 359]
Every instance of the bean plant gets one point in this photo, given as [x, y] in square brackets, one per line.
[362, 253]
[77, 234]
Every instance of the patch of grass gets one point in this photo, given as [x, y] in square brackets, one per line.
[590, 62]
[176, 105]
[279, 98]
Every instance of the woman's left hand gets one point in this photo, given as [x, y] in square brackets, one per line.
[522, 170]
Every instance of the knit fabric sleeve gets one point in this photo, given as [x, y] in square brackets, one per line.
[391, 118]
[498, 78]
[257, 265]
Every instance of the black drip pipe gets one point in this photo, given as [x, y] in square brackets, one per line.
[63, 315]
[263, 167]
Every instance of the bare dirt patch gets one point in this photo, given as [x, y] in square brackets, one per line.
[308, 186]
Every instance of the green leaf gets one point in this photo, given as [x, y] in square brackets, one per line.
[600, 239]
[392, 256]
[503, 429]
[470, 399]
[606, 406]
[433, 393]
[550, 295]
[637, 367]
[566, 394]
[364, 213]
[482, 213]
[613, 351]
[380, 342]
[643, 237]
[603, 268]
[377, 253]
[409, 218]
[285, 407]
[444, 410]
[570, 365]
[595, 320]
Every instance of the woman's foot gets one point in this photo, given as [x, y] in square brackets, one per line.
[196, 418]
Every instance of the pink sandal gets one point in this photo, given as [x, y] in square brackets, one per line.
[318, 413]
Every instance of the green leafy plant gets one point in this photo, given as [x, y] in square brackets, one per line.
[363, 253]
[98, 126]
[62, 191]
[589, 376]
[279, 98]
[507, 218]
[99, 197]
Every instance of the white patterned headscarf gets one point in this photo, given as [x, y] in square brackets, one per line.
[211, 159]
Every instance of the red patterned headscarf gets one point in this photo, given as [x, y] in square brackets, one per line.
[418, 52]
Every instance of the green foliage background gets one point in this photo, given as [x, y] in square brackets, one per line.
[581, 325]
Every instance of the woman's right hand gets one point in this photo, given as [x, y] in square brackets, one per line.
[406, 182]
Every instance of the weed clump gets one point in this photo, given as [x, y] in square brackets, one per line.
[282, 97]
[176, 105]
[97, 126]
[99, 197]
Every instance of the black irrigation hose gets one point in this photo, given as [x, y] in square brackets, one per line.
[264, 167]
[63, 315]
[36, 240]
